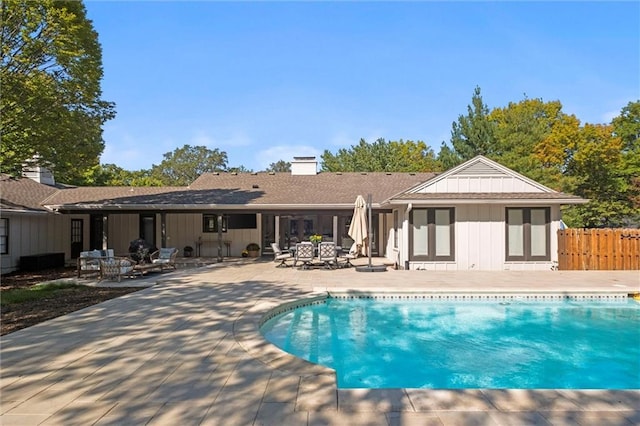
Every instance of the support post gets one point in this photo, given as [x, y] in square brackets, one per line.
[105, 231]
[163, 229]
[219, 238]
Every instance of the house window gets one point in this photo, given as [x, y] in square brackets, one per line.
[528, 234]
[240, 221]
[4, 236]
[396, 226]
[432, 234]
[210, 223]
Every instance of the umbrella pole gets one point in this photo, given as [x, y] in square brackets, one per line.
[369, 200]
[370, 268]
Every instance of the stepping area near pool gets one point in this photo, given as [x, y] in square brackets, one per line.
[187, 350]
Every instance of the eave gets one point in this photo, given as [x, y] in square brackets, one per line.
[509, 201]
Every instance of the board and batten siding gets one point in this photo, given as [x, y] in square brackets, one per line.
[476, 184]
[34, 234]
[122, 229]
[480, 241]
[182, 229]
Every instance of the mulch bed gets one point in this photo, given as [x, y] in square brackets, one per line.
[22, 315]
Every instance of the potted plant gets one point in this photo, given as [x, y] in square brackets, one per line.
[253, 249]
[315, 239]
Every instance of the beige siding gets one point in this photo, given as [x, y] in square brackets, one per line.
[122, 229]
[182, 229]
[34, 234]
[185, 228]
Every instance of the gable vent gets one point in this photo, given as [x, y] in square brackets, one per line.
[480, 169]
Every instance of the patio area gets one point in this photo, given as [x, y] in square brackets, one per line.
[185, 351]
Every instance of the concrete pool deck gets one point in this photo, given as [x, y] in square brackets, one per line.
[184, 351]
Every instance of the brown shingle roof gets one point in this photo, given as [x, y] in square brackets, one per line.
[23, 194]
[261, 189]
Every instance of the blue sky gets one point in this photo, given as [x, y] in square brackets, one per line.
[264, 81]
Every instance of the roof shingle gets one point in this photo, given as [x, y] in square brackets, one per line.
[23, 194]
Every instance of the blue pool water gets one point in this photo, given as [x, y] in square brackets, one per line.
[456, 345]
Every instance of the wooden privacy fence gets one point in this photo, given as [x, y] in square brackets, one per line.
[598, 249]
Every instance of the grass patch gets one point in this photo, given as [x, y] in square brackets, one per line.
[37, 292]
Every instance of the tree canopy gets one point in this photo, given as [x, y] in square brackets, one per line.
[600, 162]
[184, 165]
[113, 175]
[50, 74]
[595, 171]
[381, 156]
[533, 137]
[280, 166]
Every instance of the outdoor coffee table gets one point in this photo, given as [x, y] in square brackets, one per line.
[143, 268]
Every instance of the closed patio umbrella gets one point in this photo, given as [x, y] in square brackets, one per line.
[358, 227]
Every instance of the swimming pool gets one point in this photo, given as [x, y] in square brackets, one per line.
[491, 344]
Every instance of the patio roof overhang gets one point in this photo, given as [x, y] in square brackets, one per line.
[453, 199]
[510, 202]
[130, 208]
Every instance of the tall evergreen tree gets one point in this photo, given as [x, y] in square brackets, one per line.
[473, 134]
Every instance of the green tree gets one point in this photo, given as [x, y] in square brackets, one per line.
[112, 175]
[239, 169]
[595, 171]
[471, 135]
[381, 156]
[50, 73]
[280, 166]
[184, 165]
[627, 127]
[534, 138]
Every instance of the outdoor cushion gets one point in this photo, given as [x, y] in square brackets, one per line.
[165, 255]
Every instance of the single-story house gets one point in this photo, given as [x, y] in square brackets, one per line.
[477, 216]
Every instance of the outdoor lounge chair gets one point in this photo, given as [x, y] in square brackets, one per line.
[280, 256]
[165, 257]
[115, 268]
[304, 254]
[348, 257]
[328, 254]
